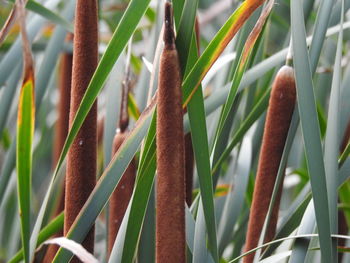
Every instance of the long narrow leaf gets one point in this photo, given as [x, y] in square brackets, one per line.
[53, 227]
[25, 133]
[332, 139]
[310, 129]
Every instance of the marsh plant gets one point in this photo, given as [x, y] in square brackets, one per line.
[174, 131]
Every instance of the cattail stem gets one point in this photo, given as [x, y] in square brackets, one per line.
[279, 115]
[61, 130]
[170, 217]
[81, 162]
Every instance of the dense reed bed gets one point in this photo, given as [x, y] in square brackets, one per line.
[202, 147]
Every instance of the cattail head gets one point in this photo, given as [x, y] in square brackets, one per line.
[121, 196]
[279, 115]
[170, 200]
[82, 155]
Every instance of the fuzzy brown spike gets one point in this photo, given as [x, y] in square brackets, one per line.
[170, 200]
[121, 196]
[279, 115]
[65, 80]
[61, 130]
[81, 162]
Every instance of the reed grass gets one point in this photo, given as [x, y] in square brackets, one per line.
[220, 170]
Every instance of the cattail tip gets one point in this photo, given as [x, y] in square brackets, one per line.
[168, 37]
[287, 72]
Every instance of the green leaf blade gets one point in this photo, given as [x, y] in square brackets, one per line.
[25, 132]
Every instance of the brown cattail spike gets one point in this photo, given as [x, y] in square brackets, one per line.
[121, 196]
[61, 130]
[82, 155]
[279, 114]
[170, 200]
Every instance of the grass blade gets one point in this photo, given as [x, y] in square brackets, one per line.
[25, 133]
[307, 226]
[52, 228]
[196, 113]
[49, 15]
[331, 149]
[235, 199]
[310, 129]
[243, 62]
[216, 47]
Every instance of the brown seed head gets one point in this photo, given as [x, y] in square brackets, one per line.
[120, 198]
[170, 200]
[279, 115]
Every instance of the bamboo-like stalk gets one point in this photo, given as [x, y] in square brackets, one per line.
[61, 130]
[170, 199]
[120, 198]
[81, 162]
[279, 114]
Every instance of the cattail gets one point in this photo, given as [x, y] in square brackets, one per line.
[170, 200]
[81, 162]
[61, 130]
[120, 198]
[64, 82]
[279, 114]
